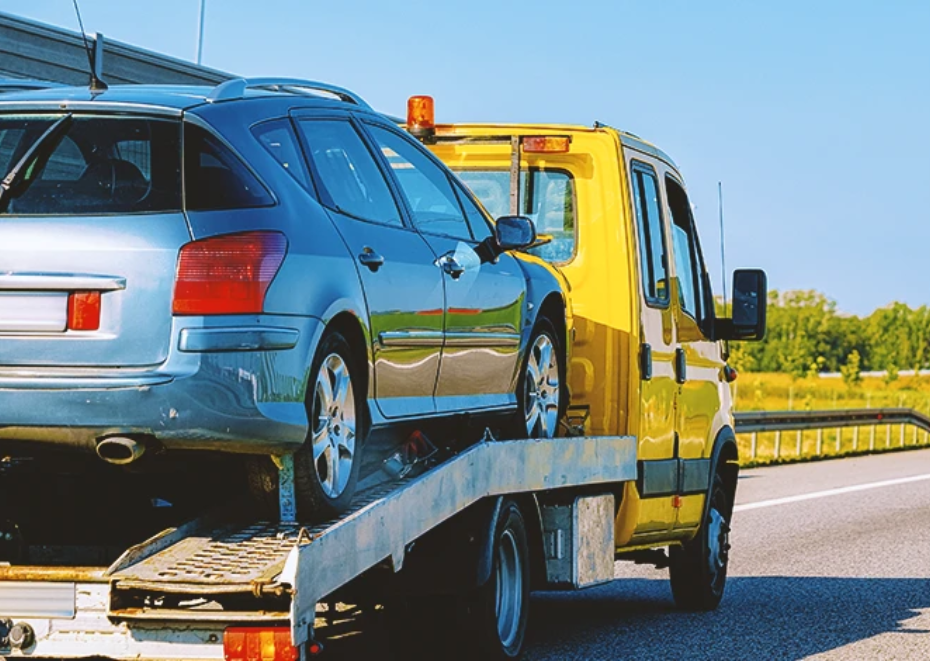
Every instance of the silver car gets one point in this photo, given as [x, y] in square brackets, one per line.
[268, 267]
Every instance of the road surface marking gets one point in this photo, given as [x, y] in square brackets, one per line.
[829, 492]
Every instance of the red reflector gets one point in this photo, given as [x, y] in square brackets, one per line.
[228, 274]
[84, 310]
[542, 144]
[676, 502]
[259, 644]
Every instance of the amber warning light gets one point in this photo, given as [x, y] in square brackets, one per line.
[421, 117]
[546, 144]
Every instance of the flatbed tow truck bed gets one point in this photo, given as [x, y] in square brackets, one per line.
[175, 595]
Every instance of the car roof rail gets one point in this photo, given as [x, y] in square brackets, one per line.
[25, 84]
[236, 89]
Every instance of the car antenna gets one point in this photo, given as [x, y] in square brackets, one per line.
[96, 83]
[723, 259]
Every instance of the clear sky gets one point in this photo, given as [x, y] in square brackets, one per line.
[815, 115]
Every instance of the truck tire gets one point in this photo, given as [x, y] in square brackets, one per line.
[326, 466]
[541, 386]
[497, 612]
[698, 569]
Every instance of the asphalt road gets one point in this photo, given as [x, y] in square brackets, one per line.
[825, 564]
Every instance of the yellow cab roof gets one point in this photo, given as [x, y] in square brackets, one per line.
[488, 129]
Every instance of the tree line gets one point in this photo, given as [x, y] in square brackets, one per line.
[806, 335]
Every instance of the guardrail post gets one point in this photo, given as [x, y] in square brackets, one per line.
[902, 434]
[872, 437]
[754, 444]
[800, 442]
[777, 445]
[915, 435]
[839, 438]
[855, 438]
[888, 436]
[820, 441]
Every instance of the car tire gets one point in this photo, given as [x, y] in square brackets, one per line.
[698, 569]
[326, 467]
[541, 394]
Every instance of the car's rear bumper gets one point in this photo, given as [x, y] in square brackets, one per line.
[230, 387]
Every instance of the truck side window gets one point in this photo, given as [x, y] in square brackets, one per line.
[653, 254]
[689, 266]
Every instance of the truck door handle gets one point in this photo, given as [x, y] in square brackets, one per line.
[450, 266]
[645, 361]
[371, 259]
[681, 366]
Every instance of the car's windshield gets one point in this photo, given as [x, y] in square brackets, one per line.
[546, 196]
[99, 165]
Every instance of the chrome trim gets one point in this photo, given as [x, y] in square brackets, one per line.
[410, 338]
[60, 282]
[478, 339]
[245, 338]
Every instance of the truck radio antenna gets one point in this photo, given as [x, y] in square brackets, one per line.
[93, 59]
[723, 259]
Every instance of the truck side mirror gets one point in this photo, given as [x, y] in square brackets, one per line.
[750, 297]
[514, 232]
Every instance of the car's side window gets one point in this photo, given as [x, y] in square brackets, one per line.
[433, 204]
[653, 253]
[215, 178]
[350, 179]
[477, 221]
[278, 138]
[688, 263]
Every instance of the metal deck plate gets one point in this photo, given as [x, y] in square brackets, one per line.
[233, 556]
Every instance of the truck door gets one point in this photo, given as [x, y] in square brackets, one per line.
[658, 468]
[700, 363]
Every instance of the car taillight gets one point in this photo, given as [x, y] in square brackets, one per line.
[227, 274]
[259, 644]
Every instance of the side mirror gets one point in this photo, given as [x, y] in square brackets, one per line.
[514, 232]
[750, 297]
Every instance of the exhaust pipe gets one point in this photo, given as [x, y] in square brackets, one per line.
[120, 450]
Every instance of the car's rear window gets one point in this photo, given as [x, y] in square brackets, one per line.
[100, 165]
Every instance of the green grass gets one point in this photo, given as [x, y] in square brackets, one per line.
[780, 392]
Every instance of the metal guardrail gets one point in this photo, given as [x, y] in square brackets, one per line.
[756, 422]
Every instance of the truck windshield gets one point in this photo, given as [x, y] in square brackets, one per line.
[546, 196]
[92, 165]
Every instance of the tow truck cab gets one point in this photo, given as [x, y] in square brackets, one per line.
[649, 352]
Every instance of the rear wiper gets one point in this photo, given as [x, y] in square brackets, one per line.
[16, 182]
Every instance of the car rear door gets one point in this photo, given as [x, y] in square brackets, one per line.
[485, 301]
[88, 249]
[403, 288]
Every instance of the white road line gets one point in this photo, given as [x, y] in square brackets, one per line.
[829, 492]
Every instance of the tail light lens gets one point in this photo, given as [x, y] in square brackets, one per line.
[227, 274]
[259, 644]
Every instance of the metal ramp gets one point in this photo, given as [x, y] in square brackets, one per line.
[300, 566]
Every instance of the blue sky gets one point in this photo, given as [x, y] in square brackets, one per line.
[814, 115]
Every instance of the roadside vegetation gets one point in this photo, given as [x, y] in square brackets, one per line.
[814, 358]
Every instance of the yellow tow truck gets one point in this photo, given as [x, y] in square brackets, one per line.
[648, 358]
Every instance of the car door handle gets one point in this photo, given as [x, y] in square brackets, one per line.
[450, 265]
[681, 366]
[371, 259]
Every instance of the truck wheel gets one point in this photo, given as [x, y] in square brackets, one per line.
[326, 466]
[540, 386]
[497, 612]
[698, 569]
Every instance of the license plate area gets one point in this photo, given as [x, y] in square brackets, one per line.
[29, 599]
[33, 312]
